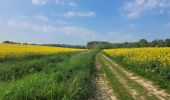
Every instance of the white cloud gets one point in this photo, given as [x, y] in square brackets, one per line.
[72, 4]
[60, 2]
[135, 8]
[65, 2]
[48, 28]
[43, 28]
[27, 25]
[69, 30]
[18, 24]
[39, 2]
[42, 17]
[83, 32]
[79, 14]
[62, 22]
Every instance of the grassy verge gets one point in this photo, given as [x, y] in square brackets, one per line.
[121, 92]
[15, 58]
[69, 80]
[16, 69]
[139, 70]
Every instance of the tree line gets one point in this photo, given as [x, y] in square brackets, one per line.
[52, 45]
[140, 43]
[108, 45]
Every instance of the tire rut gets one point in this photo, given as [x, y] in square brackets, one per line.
[148, 85]
[135, 94]
[102, 89]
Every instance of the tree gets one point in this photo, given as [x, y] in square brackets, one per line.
[6, 41]
[161, 43]
[143, 43]
[167, 42]
[157, 43]
[99, 45]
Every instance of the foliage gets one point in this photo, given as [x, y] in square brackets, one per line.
[140, 43]
[67, 80]
[98, 45]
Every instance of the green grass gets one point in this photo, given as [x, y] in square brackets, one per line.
[15, 69]
[156, 77]
[134, 85]
[68, 80]
[121, 92]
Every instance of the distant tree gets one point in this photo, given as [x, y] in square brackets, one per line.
[143, 43]
[167, 42]
[25, 43]
[65, 45]
[157, 43]
[154, 43]
[125, 45]
[161, 43]
[10, 42]
[6, 41]
[99, 45]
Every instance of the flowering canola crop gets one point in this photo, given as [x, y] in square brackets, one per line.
[148, 57]
[10, 50]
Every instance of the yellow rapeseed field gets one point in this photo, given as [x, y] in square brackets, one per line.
[8, 50]
[143, 55]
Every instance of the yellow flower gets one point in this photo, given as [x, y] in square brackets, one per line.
[7, 50]
[143, 55]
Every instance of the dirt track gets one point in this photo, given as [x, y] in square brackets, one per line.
[102, 88]
[138, 87]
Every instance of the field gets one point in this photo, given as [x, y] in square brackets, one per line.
[152, 63]
[151, 58]
[29, 72]
[15, 50]
[53, 73]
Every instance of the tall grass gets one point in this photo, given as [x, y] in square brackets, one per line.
[17, 68]
[69, 80]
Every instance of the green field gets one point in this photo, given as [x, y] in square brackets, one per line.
[47, 77]
[78, 75]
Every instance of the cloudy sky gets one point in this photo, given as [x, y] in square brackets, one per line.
[80, 21]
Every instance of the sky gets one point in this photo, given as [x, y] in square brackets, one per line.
[81, 21]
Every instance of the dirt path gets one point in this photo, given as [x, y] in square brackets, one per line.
[145, 89]
[135, 94]
[102, 89]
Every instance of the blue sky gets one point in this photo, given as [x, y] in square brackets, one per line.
[80, 21]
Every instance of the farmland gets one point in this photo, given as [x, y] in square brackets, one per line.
[15, 50]
[54, 73]
[145, 57]
[152, 63]
[29, 72]
[85, 50]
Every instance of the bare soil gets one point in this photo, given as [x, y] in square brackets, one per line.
[102, 88]
[147, 85]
